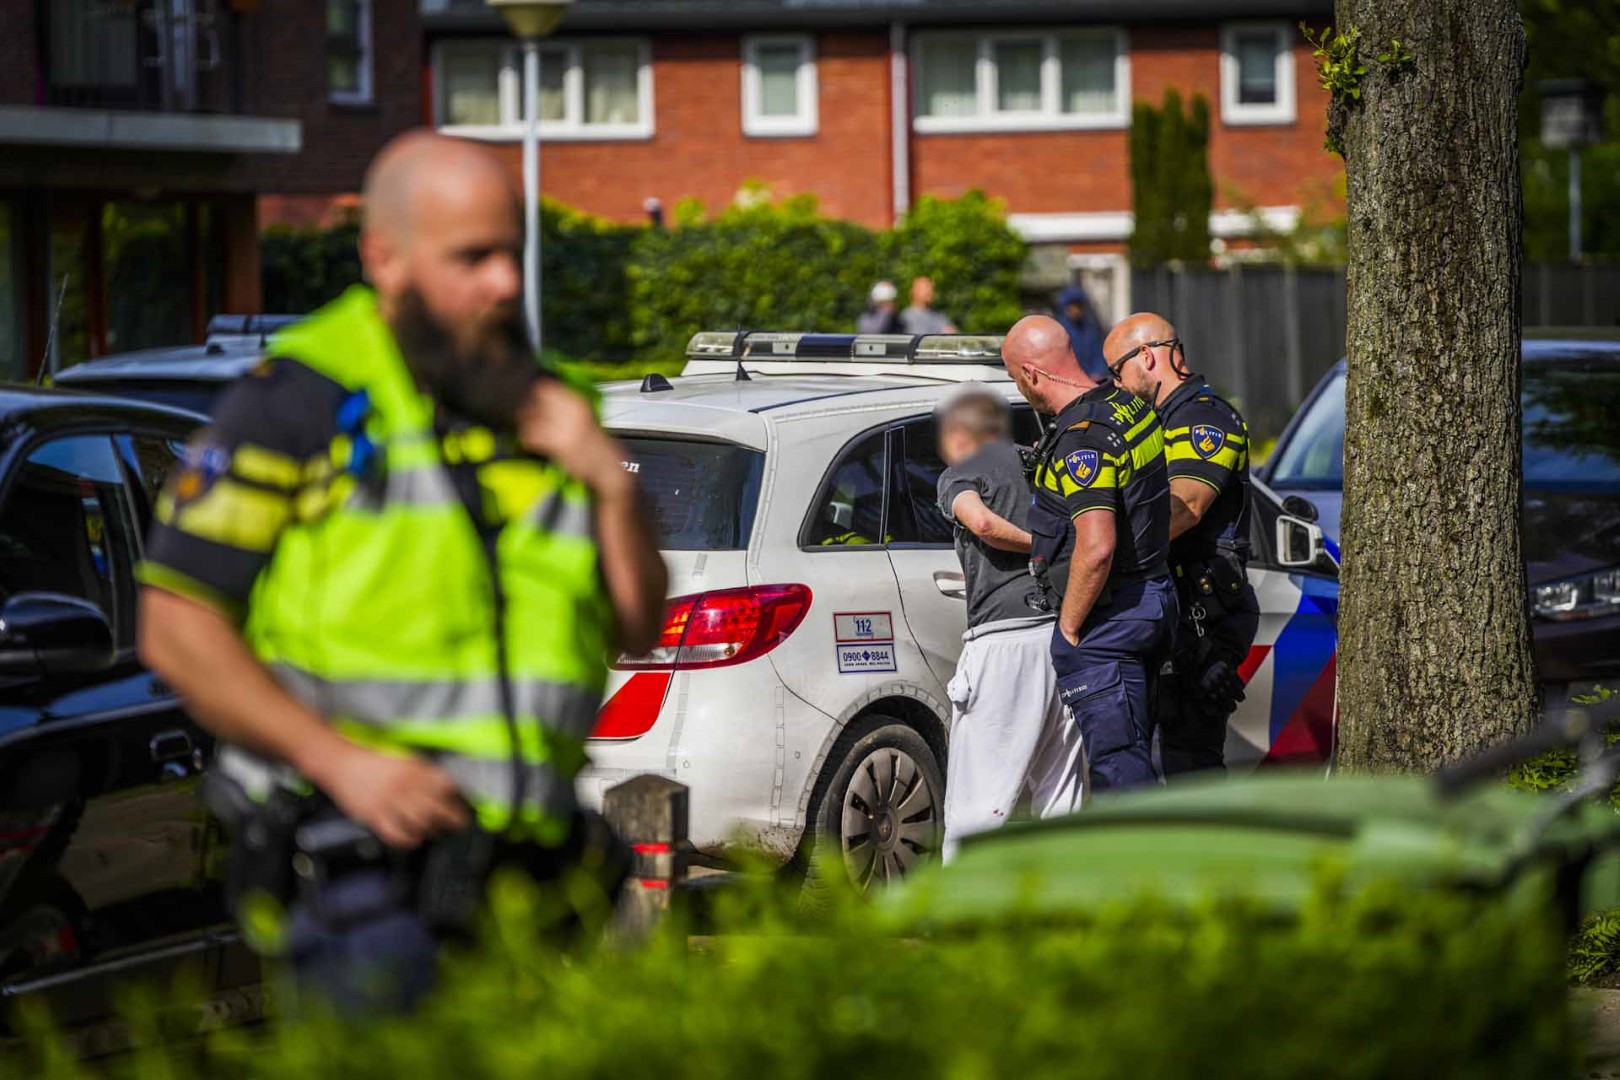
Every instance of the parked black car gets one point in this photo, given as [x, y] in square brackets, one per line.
[1571, 400]
[107, 856]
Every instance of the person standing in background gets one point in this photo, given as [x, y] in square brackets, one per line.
[880, 316]
[920, 317]
[1079, 318]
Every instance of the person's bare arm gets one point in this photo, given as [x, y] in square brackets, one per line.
[1190, 500]
[989, 526]
[1088, 569]
[198, 652]
[557, 422]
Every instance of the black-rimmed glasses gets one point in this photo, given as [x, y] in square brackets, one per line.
[1119, 365]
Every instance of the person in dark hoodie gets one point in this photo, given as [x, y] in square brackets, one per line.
[1075, 312]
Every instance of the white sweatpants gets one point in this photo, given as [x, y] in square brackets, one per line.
[1010, 735]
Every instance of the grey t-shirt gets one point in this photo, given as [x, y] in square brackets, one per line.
[918, 320]
[998, 582]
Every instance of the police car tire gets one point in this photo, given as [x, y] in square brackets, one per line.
[856, 744]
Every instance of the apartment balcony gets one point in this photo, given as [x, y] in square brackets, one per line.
[142, 75]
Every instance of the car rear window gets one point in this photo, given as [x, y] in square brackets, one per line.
[701, 495]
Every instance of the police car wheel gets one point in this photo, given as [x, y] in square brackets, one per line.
[882, 810]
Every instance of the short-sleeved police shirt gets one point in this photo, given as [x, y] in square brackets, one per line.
[1118, 466]
[219, 521]
[1207, 441]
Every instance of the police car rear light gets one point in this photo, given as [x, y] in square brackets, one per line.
[723, 627]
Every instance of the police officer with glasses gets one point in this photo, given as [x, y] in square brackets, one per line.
[1207, 450]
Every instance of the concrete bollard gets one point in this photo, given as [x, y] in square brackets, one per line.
[648, 813]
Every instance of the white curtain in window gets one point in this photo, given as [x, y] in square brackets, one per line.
[553, 79]
[1088, 74]
[611, 95]
[1257, 67]
[778, 79]
[947, 77]
[472, 82]
[1018, 75]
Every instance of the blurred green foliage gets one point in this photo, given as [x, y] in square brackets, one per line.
[1376, 983]
[1171, 191]
[631, 296]
[1594, 951]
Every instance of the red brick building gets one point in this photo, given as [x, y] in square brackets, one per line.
[137, 136]
[872, 103]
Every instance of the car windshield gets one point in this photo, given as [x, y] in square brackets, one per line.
[701, 495]
[1314, 457]
[1571, 442]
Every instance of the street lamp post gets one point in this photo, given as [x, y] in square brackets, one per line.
[531, 20]
[1571, 117]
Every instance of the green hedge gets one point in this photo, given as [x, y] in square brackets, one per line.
[630, 293]
[1382, 983]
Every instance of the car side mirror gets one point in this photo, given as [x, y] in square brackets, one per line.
[1299, 543]
[1300, 507]
[51, 634]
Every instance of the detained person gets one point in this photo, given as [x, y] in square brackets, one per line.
[1009, 736]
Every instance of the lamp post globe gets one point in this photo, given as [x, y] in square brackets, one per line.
[531, 20]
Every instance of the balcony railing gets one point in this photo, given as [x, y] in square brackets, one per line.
[161, 55]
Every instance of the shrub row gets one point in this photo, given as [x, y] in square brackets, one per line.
[631, 292]
[1380, 983]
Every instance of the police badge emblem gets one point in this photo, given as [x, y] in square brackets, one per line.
[1082, 466]
[1207, 440]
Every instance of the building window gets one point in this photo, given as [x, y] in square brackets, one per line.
[779, 86]
[1257, 74]
[1022, 81]
[348, 50]
[599, 88]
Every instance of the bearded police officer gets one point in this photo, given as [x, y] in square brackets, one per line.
[1099, 527]
[1207, 448]
[388, 577]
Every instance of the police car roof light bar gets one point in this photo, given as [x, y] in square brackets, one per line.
[976, 349]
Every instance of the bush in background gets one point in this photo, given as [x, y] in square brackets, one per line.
[630, 297]
[755, 266]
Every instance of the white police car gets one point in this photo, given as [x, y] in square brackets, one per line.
[817, 608]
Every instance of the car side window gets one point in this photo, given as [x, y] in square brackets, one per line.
[1026, 426]
[65, 528]
[154, 458]
[849, 510]
[914, 517]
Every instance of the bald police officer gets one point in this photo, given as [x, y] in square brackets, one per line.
[1100, 529]
[1207, 449]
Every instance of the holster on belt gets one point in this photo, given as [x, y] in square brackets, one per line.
[289, 846]
[1214, 584]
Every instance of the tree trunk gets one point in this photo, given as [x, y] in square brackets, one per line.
[1434, 654]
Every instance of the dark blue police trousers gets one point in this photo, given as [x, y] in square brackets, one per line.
[1107, 681]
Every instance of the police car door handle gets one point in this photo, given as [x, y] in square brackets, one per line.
[950, 583]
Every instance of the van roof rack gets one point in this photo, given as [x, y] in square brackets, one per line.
[776, 352]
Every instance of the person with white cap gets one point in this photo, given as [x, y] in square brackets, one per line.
[1010, 739]
[880, 316]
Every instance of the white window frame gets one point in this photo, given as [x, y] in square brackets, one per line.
[808, 119]
[572, 128]
[361, 94]
[1050, 116]
[1235, 113]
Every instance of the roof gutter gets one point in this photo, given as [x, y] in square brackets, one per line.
[622, 15]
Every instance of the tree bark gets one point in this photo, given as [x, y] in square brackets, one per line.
[1434, 634]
